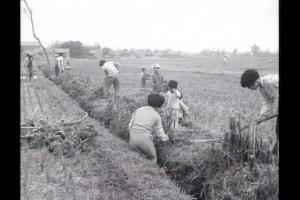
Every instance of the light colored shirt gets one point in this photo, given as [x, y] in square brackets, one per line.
[110, 68]
[146, 120]
[269, 93]
[173, 99]
[60, 62]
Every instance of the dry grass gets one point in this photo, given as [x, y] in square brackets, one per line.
[110, 170]
[193, 167]
[214, 98]
[212, 90]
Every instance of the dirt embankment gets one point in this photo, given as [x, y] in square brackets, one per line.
[82, 160]
[203, 170]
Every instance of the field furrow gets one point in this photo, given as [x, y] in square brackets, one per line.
[108, 171]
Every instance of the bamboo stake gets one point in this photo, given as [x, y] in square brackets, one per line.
[206, 140]
[65, 96]
[260, 121]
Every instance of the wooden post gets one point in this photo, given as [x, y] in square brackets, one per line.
[252, 146]
[232, 136]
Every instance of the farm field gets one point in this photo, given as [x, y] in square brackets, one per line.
[211, 89]
[99, 167]
[199, 169]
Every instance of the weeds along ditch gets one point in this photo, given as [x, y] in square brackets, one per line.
[203, 170]
[59, 140]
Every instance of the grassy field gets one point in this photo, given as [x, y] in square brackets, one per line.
[214, 96]
[211, 89]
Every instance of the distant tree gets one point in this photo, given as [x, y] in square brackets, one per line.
[28, 11]
[148, 52]
[234, 52]
[255, 50]
[77, 50]
[56, 44]
[106, 51]
[97, 46]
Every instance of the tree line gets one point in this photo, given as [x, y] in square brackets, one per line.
[79, 50]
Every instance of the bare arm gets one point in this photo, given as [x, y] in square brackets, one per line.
[117, 65]
[159, 131]
[131, 122]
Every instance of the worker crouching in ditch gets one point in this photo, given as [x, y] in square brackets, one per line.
[268, 90]
[145, 124]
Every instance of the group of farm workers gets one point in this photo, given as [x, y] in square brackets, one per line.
[146, 124]
[59, 64]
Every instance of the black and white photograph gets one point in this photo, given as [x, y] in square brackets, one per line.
[149, 99]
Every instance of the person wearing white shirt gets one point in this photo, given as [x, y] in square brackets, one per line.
[267, 87]
[173, 107]
[145, 124]
[60, 62]
[111, 70]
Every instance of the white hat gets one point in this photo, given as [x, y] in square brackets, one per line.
[156, 65]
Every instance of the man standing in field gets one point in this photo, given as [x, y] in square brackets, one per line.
[145, 77]
[111, 70]
[60, 62]
[157, 79]
[225, 60]
[268, 90]
[29, 66]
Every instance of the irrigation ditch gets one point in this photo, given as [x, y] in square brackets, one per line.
[219, 169]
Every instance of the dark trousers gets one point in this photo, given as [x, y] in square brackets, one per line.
[143, 83]
[56, 70]
[276, 146]
[30, 73]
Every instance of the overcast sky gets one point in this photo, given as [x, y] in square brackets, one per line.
[185, 25]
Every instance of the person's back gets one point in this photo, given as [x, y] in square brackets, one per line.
[146, 123]
[60, 62]
[269, 91]
[267, 87]
[145, 118]
[111, 68]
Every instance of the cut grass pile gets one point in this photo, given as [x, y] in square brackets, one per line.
[110, 170]
[198, 168]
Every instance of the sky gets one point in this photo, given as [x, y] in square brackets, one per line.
[181, 25]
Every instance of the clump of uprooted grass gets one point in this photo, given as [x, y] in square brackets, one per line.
[58, 140]
[198, 168]
[110, 170]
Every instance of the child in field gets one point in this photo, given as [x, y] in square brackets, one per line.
[267, 87]
[145, 76]
[68, 67]
[173, 108]
[146, 123]
[30, 66]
